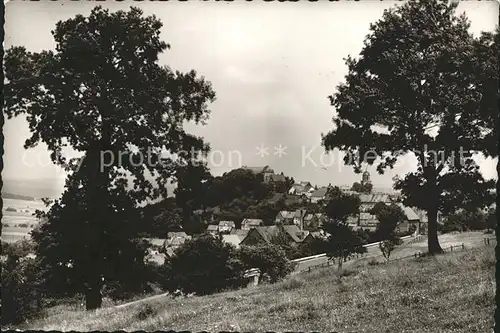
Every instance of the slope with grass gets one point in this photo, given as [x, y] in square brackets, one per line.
[453, 292]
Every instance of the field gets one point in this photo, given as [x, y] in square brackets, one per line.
[453, 292]
[16, 225]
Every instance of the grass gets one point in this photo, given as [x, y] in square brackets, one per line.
[453, 292]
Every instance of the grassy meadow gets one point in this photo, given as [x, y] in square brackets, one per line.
[453, 292]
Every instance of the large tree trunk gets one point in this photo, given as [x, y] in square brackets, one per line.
[432, 239]
[93, 297]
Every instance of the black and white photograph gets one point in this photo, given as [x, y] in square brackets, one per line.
[249, 166]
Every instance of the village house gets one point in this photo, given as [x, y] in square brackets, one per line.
[274, 178]
[260, 235]
[225, 227]
[213, 229]
[233, 239]
[302, 188]
[240, 232]
[268, 174]
[285, 217]
[318, 194]
[248, 224]
[174, 241]
[313, 221]
[298, 218]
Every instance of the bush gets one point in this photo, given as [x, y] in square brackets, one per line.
[23, 225]
[203, 266]
[21, 294]
[270, 259]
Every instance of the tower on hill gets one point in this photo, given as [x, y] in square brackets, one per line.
[365, 178]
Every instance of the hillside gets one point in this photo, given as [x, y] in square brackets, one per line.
[450, 293]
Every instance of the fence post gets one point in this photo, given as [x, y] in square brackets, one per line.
[415, 254]
[451, 248]
[463, 246]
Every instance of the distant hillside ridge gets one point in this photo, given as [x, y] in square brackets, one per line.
[6, 195]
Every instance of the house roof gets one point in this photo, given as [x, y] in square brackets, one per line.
[305, 184]
[175, 242]
[352, 220]
[286, 214]
[320, 234]
[410, 213]
[374, 198]
[367, 218]
[155, 241]
[277, 178]
[213, 227]
[181, 234]
[232, 239]
[256, 222]
[227, 224]
[300, 213]
[308, 217]
[240, 232]
[267, 232]
[295, 232]
[319, 193]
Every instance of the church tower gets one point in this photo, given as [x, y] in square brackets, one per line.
[365, 178]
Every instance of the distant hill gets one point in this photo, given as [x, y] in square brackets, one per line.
[43, 188]
[6, 195]
[35, 188]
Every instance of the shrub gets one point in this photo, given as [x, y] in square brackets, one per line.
[23, 225]
[21, 295]
[291, 283]
[386, 247]
[270, 259]
[10, 209]
[203, 266]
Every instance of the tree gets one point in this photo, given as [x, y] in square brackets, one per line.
[203, 266]
[21, 289]
[414, 90]
[167, 220]
[103, 93]
[491, 222]
[389, 216]
[386, 247]
[342, 240]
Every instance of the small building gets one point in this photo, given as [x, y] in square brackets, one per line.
[274, 178]
[213, 229]
[248, 224]
[302, 188]
[298, 218]
[232, 239]
[260, 235]
[225, 227]
[318, 194]
[313, 221]
[285, 217]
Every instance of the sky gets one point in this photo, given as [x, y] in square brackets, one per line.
[272, 66]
